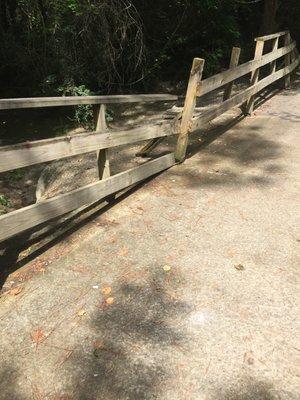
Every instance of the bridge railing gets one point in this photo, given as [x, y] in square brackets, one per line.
[186, 121]
[40, 151]
[197, 87]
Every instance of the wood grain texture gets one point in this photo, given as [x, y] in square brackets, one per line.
[33, 215]
[25, 154]
[102, 155]
[238, 99]
[234, 60]
[189, 108]
[287, 61]
[34, 102]
[221, 79]
[272, 36]
[255, 74]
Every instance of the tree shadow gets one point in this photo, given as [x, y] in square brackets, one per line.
[129, 357]
[250, 388]
[224, 157]
[8, 387]
[45, 236]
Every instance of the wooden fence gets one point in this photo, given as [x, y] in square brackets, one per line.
[30, 153]
[198, 87]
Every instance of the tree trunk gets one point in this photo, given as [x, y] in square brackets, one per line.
[269, 23]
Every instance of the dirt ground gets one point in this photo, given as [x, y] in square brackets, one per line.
[184, 288]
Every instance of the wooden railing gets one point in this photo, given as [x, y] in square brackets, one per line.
[198, 87]
[187, 121]
[30, 153]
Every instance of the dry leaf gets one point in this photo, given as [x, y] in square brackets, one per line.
[166, 268]
[123, 252]
[106, 290]
[37, 336]
[110, 300]
[81, 312]
[98, 344]
[16, 291]
[239, 267]
[249, 358]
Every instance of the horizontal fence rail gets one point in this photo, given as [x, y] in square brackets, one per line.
[214, 82]
[186, 120]
[40, 151]
[35, 102]
[30, 216]
[240, 98]
[198, 87]
[272, 36]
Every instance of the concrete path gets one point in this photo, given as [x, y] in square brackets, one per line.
[186, 289]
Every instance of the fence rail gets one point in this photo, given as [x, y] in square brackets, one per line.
[40, 151]
[185, 122]
[214, 82]
[198, 87]
[38, 102]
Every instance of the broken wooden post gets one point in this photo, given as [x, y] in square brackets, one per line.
[102, 155]
[149, 146]
[255, 74]
[188, 109]
[287, 61]
[234, 60]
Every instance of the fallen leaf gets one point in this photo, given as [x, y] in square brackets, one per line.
[166, 268]
[249, 358]
[37, 336]
[98, 344]
[230, 253]
[123, 252]
[81, 312]
[106, 290]
[16, 291]
[110, 300]
[239, 267]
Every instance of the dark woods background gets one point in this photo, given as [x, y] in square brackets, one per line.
[51, 47]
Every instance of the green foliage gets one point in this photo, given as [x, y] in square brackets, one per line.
[16, 175]
[83, 113]
[4, 201]
[111, 46]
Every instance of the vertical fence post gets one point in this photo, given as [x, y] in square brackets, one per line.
[189, 108]
[255, 74]
[102, 155]
[234, 60]
[274, 47]
[287, 61]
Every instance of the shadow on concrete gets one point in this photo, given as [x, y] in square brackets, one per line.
[8, 386]
[253, 389]
[128, 357]
[44, 237]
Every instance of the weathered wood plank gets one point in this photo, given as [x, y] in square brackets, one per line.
[25, 154]
[238, 99]
[102, 155]
[221, 79]
[33, 102]
[287, 61]
[149, 147]
[255, 74]
[189, 108]
[274, 48]
[234, 60]
[28, 217]
[272, 36]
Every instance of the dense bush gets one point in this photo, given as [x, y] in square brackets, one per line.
[108, 46]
